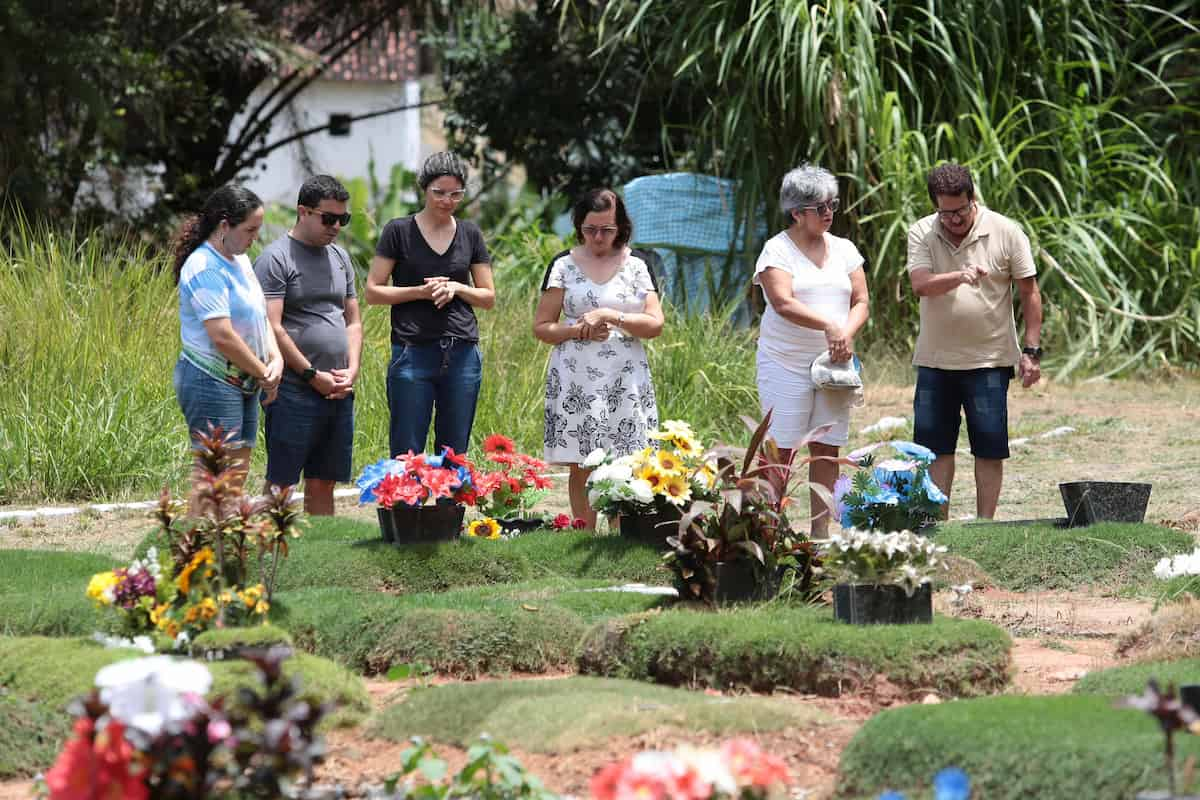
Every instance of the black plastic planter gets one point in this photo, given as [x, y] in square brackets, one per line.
[739, 582]
[387, 525]
[652, 528]
[521, 524]
[435, 523]
[867, 604]
[1088, 502]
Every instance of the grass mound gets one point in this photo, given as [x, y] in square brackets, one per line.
[529, 627]
[1012, 747]
[42, 592]
[1131, 679]
[556, 716]
[52, 672]
[30, 736]
[1110, 557]
[348, 553]
[800, 648]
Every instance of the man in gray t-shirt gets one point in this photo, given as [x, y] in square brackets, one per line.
[312, 306]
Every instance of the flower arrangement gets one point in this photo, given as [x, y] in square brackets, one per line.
[674, 474]
[738, 769]
[416, 478]
[131, 592]
[197, 597]
[894, 495]
[147, 733]
[900, 558]
[516, 485]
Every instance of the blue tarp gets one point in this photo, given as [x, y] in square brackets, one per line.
[685, 211]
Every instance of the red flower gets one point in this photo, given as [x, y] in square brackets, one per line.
[531, 462]
[451, 457]
[751, 766]
[561, 522]
[488, 482]
[96, 767]
[604, 782]
[440, 482]
[387, 492]
[536, 481]
[498, 444]
[578, 524]
[501, 457]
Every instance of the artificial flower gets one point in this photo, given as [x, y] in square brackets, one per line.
[668, 462]
[561, 522]
[595, 458]
[100, 588]
[154, 693]
[97, 765]
[486, 528]
[498, 443]
[677, 490]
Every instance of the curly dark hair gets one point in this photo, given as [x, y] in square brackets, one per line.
[232, 203]
[950, 180]
[602, 200]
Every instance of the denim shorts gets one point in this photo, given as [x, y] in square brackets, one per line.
[206, 400]
[306, 433]
[979, 394]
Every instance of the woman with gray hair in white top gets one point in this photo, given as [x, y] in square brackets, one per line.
[816, 292]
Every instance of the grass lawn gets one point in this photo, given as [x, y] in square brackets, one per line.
[561, 715]
[1013, 748]
[1132, 679]
[1110, 557]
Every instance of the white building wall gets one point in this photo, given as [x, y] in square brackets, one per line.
[392, 138]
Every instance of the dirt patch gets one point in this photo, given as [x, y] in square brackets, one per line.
[1072, 615]
[1054, 666]
[1172, 633]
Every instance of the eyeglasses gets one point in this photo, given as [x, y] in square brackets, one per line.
[598, 230]
[955, 214]
[832, 206]
[453, 194]
[329, 219]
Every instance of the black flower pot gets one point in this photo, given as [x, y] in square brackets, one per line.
[387, 524]
[435, 523]
[867, 604]
[744, 581]
[1104, 501]
[653, 528]
[521, 524]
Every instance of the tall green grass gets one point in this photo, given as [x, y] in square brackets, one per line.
[91, 335]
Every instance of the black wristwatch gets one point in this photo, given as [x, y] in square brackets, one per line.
[308, 374]
[1033, 352]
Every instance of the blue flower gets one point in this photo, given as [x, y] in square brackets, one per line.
[884, 495]
[914, 450]
[370, 477]
[951, 784]
[434, 461]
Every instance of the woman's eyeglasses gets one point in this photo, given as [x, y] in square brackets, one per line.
[832, 206]
[453, 194]
[329, 219]
[598, 230]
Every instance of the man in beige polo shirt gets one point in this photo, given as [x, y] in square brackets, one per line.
[962, 263]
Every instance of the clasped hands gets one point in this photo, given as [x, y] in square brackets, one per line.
[840, 343]
[441, 290]
[334, 384]
[596, 324]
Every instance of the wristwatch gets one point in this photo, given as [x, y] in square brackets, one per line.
[308, 374]
[1033, 352]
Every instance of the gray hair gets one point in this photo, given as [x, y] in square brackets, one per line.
[806, 185]
[439, 164]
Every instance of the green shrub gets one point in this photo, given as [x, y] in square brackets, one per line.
[1110, 556]
[1013, 748]
[777, 646]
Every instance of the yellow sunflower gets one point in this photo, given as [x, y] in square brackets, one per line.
[685, 445]
[668, 462]
[652, 475]
[677, 490]
[486, 528]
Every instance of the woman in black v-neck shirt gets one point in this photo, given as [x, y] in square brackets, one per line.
[440, 271]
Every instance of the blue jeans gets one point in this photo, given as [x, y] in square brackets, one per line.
[308, 433]
[205, 399]
[444, 374]
[944, 396]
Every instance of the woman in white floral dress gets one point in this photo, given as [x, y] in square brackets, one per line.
[598, 388]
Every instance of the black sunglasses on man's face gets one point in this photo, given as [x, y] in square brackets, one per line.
[329, 219]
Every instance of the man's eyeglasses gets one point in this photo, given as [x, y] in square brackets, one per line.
[453, 194]
[832, 206]
[329, 219]
[598, 230]
[955, 214]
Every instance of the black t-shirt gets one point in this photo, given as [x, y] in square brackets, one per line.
[421, 320]
[652, 260]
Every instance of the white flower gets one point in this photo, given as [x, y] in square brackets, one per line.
[1163, 570]
[153, 693]
[711, 769]
[642, 492]
[621, 472]
[595, 458]
[594, 496]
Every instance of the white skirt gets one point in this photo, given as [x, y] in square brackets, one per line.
[798, 407]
